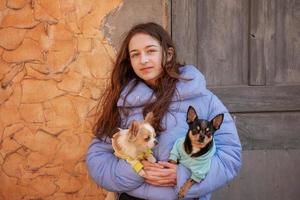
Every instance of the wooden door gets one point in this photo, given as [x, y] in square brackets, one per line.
[249, 52]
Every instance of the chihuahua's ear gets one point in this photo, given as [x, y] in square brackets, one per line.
[149, 117]
[191, 114]
[133, 130]
[217, 121]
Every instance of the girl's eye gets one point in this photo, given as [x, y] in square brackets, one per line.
[134, 55]
[147, 139]
[151, 50]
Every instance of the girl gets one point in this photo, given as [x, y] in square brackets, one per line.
[147, 77]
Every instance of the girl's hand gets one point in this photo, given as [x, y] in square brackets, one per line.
[160, 174]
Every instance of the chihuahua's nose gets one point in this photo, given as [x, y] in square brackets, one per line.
[201, 138]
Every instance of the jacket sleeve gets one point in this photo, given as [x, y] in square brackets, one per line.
[225, 163]
[146, 191]
[108, 171]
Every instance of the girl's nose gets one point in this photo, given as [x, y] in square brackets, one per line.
[144, 58]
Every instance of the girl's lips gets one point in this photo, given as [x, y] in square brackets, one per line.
[146, 69]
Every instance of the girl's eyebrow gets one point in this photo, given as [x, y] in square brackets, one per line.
[148, 46]
[152, 45]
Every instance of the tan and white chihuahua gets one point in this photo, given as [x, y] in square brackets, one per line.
[135, 144]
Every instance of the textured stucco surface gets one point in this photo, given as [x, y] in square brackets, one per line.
[55, 60]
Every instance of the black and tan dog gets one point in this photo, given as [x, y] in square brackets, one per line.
[196, 149]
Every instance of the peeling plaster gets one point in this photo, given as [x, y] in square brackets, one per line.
[131, 12]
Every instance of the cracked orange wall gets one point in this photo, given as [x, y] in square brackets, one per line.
[54, 62]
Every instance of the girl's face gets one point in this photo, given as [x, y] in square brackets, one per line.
[146, 57]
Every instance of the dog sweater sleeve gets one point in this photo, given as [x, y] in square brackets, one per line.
[174, 154]
[136, 165]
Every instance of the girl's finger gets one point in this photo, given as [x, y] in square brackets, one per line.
[167, 164]
[153, 168]
[157, 178]
[158, 173]
[162, 170]
[170, 184]
[145, 162]
[160, 179]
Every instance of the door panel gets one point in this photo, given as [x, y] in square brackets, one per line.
[249, 52]
[240, 99]
[269, 131]
[214, 38]
[266, 174]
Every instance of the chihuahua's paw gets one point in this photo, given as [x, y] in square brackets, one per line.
[182, 193]
[151, 159]
[172, 161]
[142, 173]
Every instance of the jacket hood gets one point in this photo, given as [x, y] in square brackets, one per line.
[194, 85]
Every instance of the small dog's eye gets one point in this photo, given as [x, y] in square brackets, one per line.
[198, 128]
[207, 129]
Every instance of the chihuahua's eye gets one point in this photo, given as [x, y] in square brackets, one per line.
[207, 129]
[198, 128]
[147, 139]
[194, 132]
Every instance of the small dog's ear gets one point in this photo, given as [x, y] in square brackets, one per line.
[149, 117]
[217, 121]
[133, 130]
[188, 144]
[191, 115]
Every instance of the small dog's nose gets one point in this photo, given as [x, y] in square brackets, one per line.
[201, 138]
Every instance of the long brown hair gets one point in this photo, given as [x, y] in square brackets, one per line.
[122, 74]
